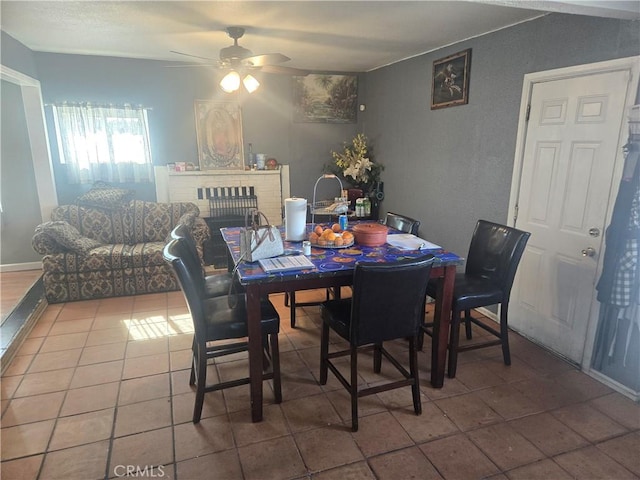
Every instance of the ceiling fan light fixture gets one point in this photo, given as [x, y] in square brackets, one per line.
[231, 82]
[250, 83]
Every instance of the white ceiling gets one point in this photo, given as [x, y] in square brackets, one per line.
[356, 36]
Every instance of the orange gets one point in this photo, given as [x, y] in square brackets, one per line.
[318, 230]
[330, 237]
[313, 237]
[336, 227]
[322, 241]
[347, 237]
[338, 241]
[326, 232]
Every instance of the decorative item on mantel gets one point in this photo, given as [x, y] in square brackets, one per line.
[355, 164]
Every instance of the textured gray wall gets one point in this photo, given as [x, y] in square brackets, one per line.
[451, 167]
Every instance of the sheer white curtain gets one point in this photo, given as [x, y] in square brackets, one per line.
[103, 142]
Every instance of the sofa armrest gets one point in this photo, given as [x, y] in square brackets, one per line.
[61, 237]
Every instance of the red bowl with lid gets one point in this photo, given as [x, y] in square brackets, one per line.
[370, 234]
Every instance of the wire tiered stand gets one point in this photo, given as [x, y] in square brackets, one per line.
[327, 207]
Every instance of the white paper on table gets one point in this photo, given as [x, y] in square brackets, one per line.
[408, 241]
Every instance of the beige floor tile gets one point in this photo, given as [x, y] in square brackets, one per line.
[592, 424]
[143, 416]
[622, 409]
[210, 435]
[9, 385]
[144, 388]
[325, 448]
[153, 346]
[143, 449]
[108, 335]
[407, 463]
[477, 375]
[505, 446]
[82, 429]
[26, 468]
[432, 424]
[97, 373]
[44, 382]
[456, 457]
[380, 433]
[180, 360]
[90, 399]
[213, 406]
[30, 346]
[147, 365]
[590, 463]
[509, 402]
[19, 365]
[63, 327]
[310, 412]
[64, 342]
[222, 465]
[548, 434]
[545, 469]
[43, 362]
[259, 463]
[245, 431]
[85, 462]
[625, 449]
[359, 470]
[27, 439]
[468, 411]
[32, 409]
[102, 353]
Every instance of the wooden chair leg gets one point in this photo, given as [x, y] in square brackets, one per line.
[201, 383]
[467, 323]
[324, 352]
[354, 389]
[292, 308]
[413, 370]
[275, 357]
[454, 340]
[377, 358]
[504, 333]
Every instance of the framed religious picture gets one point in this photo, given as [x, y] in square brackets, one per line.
[219, 134]
[320, 98]
[450, 80]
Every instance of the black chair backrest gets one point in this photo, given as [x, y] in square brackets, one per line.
[495, 253]
[402, 223]
[182, 231]
[388, 299]
[188, 272]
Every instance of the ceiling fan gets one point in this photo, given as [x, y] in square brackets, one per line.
[241, 62]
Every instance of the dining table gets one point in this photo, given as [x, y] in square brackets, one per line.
[334, 267]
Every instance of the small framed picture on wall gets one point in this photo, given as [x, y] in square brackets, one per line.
[450, 80]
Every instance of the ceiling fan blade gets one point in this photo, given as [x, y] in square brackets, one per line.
[265, 59]
[189, 65]
[189, 55]
[279, 70]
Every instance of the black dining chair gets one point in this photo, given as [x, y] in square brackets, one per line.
[401, 222]
[215, 285]
[494, 254]
[387, 304]
[214, 320]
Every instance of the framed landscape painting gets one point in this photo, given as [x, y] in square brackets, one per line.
[319, 98]
[219, 134]
[450, 80]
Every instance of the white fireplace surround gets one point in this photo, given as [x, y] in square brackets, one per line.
[270, 186]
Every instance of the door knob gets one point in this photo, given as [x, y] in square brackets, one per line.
[594, 232]
[588, 252]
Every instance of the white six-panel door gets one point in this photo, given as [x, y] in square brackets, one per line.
[569, 157]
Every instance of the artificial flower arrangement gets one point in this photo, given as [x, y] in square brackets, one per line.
[355, 164]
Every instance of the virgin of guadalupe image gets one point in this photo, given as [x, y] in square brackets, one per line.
[221, 147]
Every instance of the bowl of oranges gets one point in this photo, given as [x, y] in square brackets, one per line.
[331, 237]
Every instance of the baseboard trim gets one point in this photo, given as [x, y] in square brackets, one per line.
[18, 267]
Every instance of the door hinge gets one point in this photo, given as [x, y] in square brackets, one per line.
[515, 215]
[526, 117]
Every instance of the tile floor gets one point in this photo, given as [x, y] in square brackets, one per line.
[100, 390]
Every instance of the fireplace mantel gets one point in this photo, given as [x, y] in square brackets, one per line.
[271, 187]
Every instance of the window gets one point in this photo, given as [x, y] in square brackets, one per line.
[103, 142]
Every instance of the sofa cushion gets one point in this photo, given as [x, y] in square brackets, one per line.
[153, 221]
[106, 226]
[103, 195]
[107, 257]
[67, 236]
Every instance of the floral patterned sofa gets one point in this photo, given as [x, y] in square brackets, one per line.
[108, 246]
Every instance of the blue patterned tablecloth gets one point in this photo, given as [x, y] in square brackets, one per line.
[327, 261]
